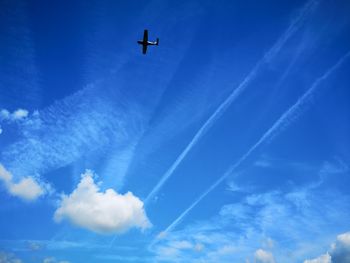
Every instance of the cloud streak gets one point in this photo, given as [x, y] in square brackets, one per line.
[287, 118]
[293, 27]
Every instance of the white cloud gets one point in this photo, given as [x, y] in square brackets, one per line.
[326, 258]
[339, 252]
[27, 188]
[263, 256]
[8, 258]
[101, 212]
[344, 240]
[18, 114]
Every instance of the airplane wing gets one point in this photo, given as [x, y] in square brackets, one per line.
[145, 36]
[144, 49]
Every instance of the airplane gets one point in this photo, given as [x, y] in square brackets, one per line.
[146, 43]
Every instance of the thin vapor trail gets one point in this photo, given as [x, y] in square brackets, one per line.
[293, 27]
[286, 118]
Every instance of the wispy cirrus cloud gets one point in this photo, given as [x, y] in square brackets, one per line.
[279, 126]
[268, 56]
[269, 226]
[77, 125]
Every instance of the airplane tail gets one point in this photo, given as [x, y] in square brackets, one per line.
[157, 42]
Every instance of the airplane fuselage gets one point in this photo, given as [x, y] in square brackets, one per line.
[144, 42]
[148, 43]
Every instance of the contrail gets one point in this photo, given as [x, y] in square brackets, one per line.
[275, 129]
[293, 27]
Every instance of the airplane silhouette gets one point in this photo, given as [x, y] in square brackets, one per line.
[146, 43]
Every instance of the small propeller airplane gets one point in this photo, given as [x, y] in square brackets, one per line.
[146, 43]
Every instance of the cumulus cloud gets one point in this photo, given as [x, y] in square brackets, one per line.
[263, 256]
[27, 188]
[8, 258]
[339, 252]
[101, 212]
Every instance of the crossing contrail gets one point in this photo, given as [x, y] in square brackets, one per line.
[286, 118]
[293, 27]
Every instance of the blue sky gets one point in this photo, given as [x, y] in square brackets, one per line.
[229, 142]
